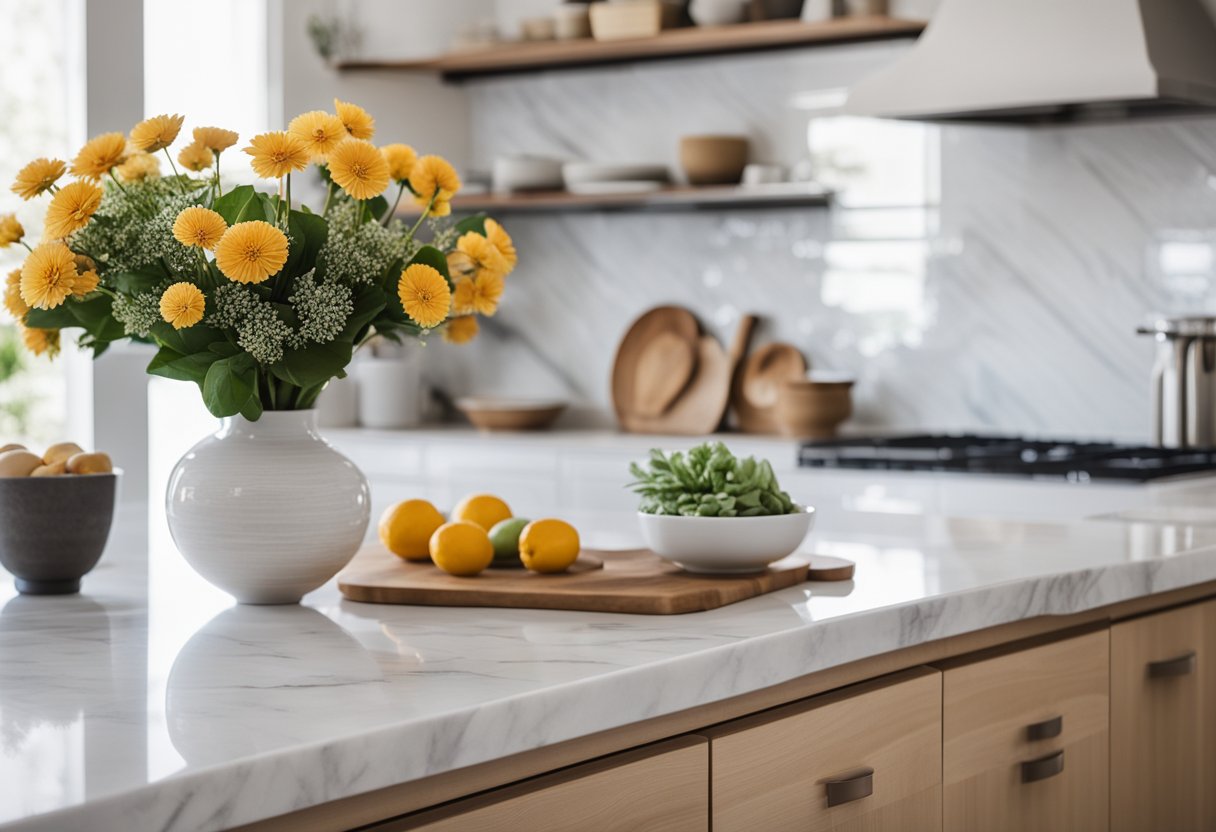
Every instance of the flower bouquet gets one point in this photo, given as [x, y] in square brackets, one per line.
[258, 300]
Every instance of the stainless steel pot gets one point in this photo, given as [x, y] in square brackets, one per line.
[1184, 382]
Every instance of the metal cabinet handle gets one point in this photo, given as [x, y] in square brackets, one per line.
[848, 789]
[1046, 729]
[1043, 767]
[1180, 666]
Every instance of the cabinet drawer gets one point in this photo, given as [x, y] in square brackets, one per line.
[1025, 739]
[1163, 721]
[661, 788]
[775, 771]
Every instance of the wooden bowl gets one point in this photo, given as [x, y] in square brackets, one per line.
[624, 20]
[813, 409]
[495, 413]
[713, 160]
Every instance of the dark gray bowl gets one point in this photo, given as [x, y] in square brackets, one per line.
[53, 529]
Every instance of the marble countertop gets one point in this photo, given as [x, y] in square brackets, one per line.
[150, 702]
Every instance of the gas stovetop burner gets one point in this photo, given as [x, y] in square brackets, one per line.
[967, 454]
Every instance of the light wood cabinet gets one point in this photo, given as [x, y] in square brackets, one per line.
[1025, 739]
[662, 788]
[864, 758]
[1163, 721]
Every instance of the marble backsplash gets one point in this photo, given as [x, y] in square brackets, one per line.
[983, 278]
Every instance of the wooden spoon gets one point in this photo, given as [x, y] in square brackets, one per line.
[663, 371]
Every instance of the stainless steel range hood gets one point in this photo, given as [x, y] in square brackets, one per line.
[1048, 61]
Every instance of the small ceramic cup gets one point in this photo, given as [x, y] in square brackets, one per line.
[54, 529]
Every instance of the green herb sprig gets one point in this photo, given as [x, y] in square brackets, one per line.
[709, 481]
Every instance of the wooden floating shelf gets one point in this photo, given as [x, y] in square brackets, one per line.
[674, 43]
[790, 195]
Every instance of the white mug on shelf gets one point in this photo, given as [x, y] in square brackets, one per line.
[338, 404]
[390, 390]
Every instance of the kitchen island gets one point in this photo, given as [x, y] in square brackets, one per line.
[149, 702]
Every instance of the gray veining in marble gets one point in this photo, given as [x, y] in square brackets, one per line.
[985, 278]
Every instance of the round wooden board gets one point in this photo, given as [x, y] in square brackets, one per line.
[663, 319]
[756, 383]
[828, 568]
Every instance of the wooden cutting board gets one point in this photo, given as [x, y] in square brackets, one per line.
[635, 581]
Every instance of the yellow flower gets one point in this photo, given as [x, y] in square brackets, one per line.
[251, 252]
[461, 330]
[41, 341]
[479, 294]
[13, 302]
[199, 226]
[48, 276]
[277, 154]
[319, 131]
[425, 295]
[216, 139]
[434, 179]
[85, 282]
[401, 159]
[501, 240]
[37, 177]
[156, 133]
[182, 305]
[10, 230]
[99, 155]
[138, 166]
[71, 208]
[196, 157]
[359, 168]
[483, 253]
[357, 121]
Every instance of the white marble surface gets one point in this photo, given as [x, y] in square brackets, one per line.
[149, 702]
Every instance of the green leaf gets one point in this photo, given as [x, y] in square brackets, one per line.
[309, 233]
[313, 365]
[243, 204]
[192, 339]
[96, 315]
[368, 302]
[229, 384]
[136, 283]
[169, 363]
[58, 318]
[378, 206]
[224, 349]
[477, 223]
[252, 409]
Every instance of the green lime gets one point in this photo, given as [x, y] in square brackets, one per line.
[505, 537]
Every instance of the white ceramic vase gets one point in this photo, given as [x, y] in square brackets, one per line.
[267, 510]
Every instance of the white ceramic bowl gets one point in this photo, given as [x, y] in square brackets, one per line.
[725, 545]
[577, 173]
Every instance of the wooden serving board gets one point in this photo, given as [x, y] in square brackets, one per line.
[635, 581]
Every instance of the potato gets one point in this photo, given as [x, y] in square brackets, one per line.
[60, 452]
[97, 463]
[58, 469]
[18, 463]
[12, 446]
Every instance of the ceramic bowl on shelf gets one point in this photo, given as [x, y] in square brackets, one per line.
[725, 545]
[575, 174]
[526, 173]
[718, 12]
[54, 529]
[713, 160]
[506, 413]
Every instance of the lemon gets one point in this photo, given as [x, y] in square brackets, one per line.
[406, 528]
[505, 537]
[461, 548]
[483, 509]
[548, 545]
